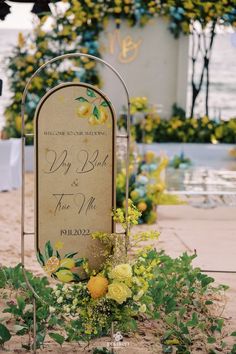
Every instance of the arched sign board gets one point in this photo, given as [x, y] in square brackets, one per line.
[75, 183]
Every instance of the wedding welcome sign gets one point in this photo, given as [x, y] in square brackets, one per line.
[75, 183]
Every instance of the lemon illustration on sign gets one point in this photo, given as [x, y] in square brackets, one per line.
[93, 120]
[64, 275]
[103, 114]
[67, 263]
[142, 206]
[84, 109]
[52, 264]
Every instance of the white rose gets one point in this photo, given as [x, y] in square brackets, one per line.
[52, 309]
[60, 300]
[75, 301]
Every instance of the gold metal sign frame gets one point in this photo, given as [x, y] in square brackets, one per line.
[24, 136]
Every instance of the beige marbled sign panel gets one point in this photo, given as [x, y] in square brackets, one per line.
[75, 183]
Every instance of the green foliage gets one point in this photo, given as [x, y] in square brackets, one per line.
[5, 335]
[180, 161]
[2, 278]
[179, 128]
[16, 280]
[57, 338]
[233, 351]
[178, 111]
[78, 29]
[101, 351]
[21, 307]
[179, 296]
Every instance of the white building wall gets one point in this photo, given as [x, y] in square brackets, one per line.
[152, 62]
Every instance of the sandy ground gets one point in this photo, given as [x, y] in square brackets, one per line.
[212, 233]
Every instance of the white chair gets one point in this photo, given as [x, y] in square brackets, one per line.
[15, 163]
[10, 164]
[5, 167]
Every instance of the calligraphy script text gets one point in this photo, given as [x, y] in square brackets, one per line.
[78, 201]
[85, 161]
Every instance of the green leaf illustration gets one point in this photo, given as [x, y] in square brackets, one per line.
[62, 268]
[70, 255]
[5, 335]
[96, 112]
[58, 255]
[57, 337]
[40, 258]
[90, 93]
[79, 262]
[48, 250]
[81, 99]
[76, 277]
[104, 104]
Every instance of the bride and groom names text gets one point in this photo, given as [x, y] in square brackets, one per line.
[60, 162]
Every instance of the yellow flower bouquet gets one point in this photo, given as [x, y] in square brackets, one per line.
[117, 293]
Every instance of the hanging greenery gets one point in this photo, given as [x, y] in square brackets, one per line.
[77, 27]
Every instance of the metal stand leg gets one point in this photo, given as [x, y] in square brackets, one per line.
[23, 135]
[34, 325]
[112, 337]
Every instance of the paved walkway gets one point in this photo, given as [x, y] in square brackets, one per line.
[212, 233]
